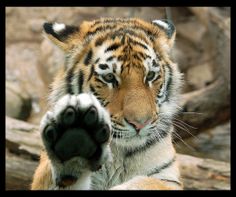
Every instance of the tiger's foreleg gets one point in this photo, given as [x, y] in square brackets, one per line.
[76, 136]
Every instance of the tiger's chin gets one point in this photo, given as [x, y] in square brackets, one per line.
[132, 140]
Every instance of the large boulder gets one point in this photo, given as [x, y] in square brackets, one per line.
[18, 101]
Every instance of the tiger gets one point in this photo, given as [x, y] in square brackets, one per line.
[109, 124]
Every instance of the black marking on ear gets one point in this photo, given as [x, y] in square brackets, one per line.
[81, 81]
[103, 66]
[113, 47]
[91, 72]
[88, 57]
[61, 35]
[165, 25]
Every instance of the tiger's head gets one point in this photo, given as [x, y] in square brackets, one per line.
[125, 63]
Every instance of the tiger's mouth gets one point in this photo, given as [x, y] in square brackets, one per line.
[128, 131]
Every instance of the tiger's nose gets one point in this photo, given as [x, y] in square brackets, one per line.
[138, 124]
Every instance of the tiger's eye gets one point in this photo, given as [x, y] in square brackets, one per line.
[150, 75]
[109, 77]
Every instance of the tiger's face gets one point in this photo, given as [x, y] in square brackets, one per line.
[125, 64]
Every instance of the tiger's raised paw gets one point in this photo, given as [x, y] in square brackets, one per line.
[76, 136]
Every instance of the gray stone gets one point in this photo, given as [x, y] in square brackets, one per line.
[18, 102]
[199, 76]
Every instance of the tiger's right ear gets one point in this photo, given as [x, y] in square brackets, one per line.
[60, 34]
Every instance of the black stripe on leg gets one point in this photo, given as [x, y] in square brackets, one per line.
[91, 72]
[162, 167]
[172, 181]
[81, 81]
[69, 76]
[162, 133]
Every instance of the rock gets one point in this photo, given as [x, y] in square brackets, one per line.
[52, 59]
[36, 25]
[191, 30]
[19, 172]
[213, 143]
[18, 102]
[199, 76]
[197, 173]
[204, 174]
[22, 69]
[21, 66]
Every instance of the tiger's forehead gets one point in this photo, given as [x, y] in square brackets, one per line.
[118, 42]
[117, 56]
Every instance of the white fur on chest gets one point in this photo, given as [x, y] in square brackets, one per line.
[122, 168]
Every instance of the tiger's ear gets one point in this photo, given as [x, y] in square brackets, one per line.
[60, 34]
[169, 30]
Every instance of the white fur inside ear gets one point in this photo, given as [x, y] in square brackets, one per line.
[57, 27]
[161, 23]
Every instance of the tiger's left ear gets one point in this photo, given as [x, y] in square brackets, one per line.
[61, 35]
[167, 27]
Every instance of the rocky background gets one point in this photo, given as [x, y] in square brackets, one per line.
[202, 51]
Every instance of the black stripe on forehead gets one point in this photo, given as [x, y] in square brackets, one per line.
[113, 47]
[121, 32]
[110, 58]
[101, 28]
[138, 43]
[88, 57]
[99, 41]
[110, 20]
[155, 64]
[103, 66]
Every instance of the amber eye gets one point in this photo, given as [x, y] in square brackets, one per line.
[109, 78]
[150, 75]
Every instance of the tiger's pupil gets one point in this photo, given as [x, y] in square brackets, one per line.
[109, 77]
[150, 75]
